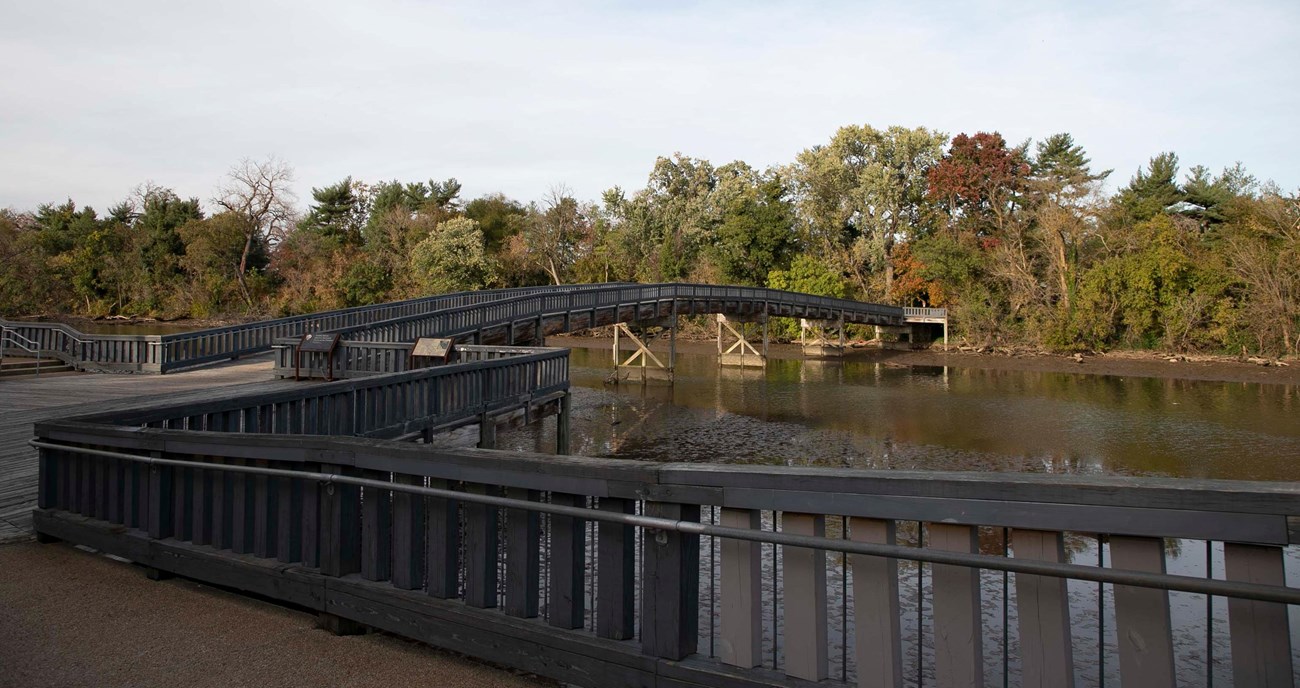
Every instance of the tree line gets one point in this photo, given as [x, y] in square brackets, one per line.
[1021, 242]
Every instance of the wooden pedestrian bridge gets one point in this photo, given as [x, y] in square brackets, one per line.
[605, 572]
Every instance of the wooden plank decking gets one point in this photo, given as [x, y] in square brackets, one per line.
[28, 400]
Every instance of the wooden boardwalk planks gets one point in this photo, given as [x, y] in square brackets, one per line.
[25, 401]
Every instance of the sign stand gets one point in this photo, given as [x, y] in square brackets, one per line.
[317, 343]
[438, 349]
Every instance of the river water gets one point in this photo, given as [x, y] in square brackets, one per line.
[866, 414]
[871, 414]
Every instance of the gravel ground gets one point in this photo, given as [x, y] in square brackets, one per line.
[72, 618]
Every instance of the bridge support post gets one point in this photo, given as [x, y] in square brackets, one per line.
[643, 361]
[822, 338]
[487, 432]
[562, 429]
[741, 352]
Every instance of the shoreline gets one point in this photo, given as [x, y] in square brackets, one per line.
[1118, 364]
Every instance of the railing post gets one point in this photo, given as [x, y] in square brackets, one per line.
[562, 424]
[377, 530]
[742, 588]
[160, 500]
[1043, 608]
[670, 584]
[803, 587]
[1261, 638]
[959, 647]
[442, 526]
[408, 536]
[616, 557]
[1146, 650]
[340, 543]
[523, 571]
[481, 539]
[875, 607]
[567, 606]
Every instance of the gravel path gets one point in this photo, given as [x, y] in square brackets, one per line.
[72, 618]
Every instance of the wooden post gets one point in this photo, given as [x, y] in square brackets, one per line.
[523, 571]
[442, 527]
[310, 519]
[742, 590]
[1261, 638]
[959, 650]
[480, 551]
[670, 585]
[568, 555]
[160, 522]
[340, 542]
[563, 424]
[879, 649]
[1146, 651]
[487, 432]
[289, 507]
[616, 557]
[803, 587]
[376, 531]
[1043, 608]
[408, 536]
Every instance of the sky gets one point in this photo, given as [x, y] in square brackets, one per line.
[99, 97]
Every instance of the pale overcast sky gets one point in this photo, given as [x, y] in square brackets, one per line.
[100, 96]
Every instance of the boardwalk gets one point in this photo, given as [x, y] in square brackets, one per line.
[27, 400]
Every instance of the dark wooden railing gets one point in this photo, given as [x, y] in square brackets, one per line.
[366, 359]
[384, 406]
[163, 353]
[550, 312]
[611, 572]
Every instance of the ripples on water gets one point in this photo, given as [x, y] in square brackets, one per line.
[876, 415]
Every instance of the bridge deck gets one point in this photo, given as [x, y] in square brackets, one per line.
[27, 400]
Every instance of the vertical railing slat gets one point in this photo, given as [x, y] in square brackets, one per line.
[481, 540]
[1261, 637]
[523, 571]
[1043, 610]
[878, 649]
[568, 556]
[442, 524]
[741, 638]
[670, 584]
[1146, 651]
[803, 588]
[955, 591]
[376, 530]
[615, 578]
[408, 536]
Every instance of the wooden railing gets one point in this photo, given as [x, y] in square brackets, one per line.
[163, 353]
[100, 352]
[367, 359]
[927, 313]
[584, 308]
[394, 405]
[611, 572]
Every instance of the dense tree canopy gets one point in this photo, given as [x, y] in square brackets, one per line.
[1021, 242]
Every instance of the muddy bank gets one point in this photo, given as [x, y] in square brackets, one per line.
[1121, 363]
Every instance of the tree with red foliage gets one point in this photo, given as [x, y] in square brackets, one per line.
[979, 182]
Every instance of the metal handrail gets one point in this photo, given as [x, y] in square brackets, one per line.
[1160, 581]
[7, 335]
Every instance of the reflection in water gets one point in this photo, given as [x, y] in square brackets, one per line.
[885, 416]
[880, 415]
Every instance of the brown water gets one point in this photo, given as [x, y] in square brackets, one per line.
[878, 415]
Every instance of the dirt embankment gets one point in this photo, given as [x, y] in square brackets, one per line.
[1119, 363]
